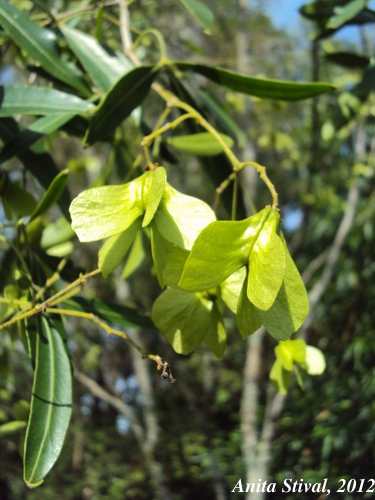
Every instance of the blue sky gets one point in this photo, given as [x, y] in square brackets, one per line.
[285, 15]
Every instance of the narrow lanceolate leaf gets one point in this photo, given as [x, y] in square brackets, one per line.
[40, 44]
[348, 59]
[101, 212]
[51, 403]
[345, 13]
[114, 250]
[52, 194]
[183, 318]
[220, 249]
[267, 264]
[104, 68]
[22, 100]
[201, 144]
[201, 13]
[291, 306]
[26, 138]
[127, 94]
[259, 87]
[160, 248]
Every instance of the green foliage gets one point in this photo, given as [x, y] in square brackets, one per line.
[97, 96]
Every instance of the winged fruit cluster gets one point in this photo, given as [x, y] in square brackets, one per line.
[205, 264]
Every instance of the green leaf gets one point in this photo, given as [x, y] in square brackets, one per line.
[154, 194]
[115, 249]
[201, 144]
[121, 99]
[51, 403]
[256, 86]
[201, 13]
[52, 194]
[345, 13]
[267, 264]
[40, 44]
[248, 320]
[174, 266]
[291, 306]
[41, 166]
[112, 313]
[56, 233]
[220, 249]
[23, 100]
[180, 218]
[21, 410]
[105, 211]
[183, 318]
[160, 248]
[347, 59]
[216, 336]
[103, 67]
[20, 201]
[136, 256]
[230, 289]
[10, 428]
[280, 378]
[315, 363]
[291, 351]
[26, 138]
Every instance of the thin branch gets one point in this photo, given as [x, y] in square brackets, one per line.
[98, 391]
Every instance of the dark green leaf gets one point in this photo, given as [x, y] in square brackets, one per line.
[114, 250]
[127, 94]
[52, 194]
[26, 138]
[112, 313]
[51, 404]
[21, 100]
[104, 68]
[259, 87]
[200, 12]
[183, 318]
[347, 59]
[41, 166]
[202, 144]
[40, 44]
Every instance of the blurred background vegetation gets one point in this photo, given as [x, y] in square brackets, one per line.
[143, 438]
